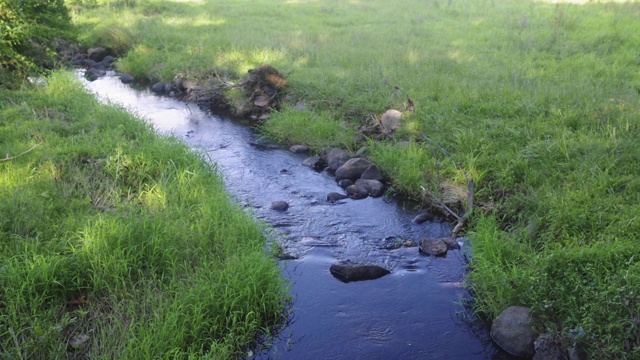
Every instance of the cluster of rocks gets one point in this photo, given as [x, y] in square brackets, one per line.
[96, 61]
[512, 331]
[357, 176]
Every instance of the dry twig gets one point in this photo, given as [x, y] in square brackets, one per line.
[17, 156]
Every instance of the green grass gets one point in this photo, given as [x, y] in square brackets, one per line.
[113, 232]
[535, 102]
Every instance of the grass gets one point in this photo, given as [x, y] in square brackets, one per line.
[536, 102]
[119, 243]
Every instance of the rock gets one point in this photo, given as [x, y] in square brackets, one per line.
[390, 121]
[315, 162]
[334, 196]
[374, 188]
[513, 333]
[158, 88]
[352, 168]
[108, 60]
[548, 347]
[345, 183]
[127, 78]
[97, 54]
[286, 256]
[93, 74]
[78, 341]
[299, 149]
[372, 173]
[434, 247]
[452, 243]
[420, 218]
[279, 205]
[168, 88]
[348, 273]
[356, 192]
[335, 159]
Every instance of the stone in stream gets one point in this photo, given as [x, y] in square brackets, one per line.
[420, 218]
[348, 273]
[513, 333]
[356, 192]
[279, 205]
[434, 247]
[314, 162]
[299, 149]
[345, 183]
[334, 196]
[159, 88]
[374, 188]
[126, 78]
[335, 158]
[352, 169]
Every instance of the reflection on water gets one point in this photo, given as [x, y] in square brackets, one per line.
[414, 313]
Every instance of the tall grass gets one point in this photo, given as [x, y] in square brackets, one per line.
[119, 243]
[535, 101]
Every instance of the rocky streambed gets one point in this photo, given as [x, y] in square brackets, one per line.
[362, 287]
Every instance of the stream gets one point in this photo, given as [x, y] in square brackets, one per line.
[416, 312]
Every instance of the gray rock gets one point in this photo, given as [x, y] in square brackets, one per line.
[548, 347]
[335, 159]
[127, 78]
[334, 196]
[452, 243]
[93, 74]
[374, 188]
[299, 149]
[420, 218]
[315, 162]
[513, 333]
[433, 247]
[348, 273]
[279, 205]
[372, 173]
[345, 183]
[352, 168]
[158, 88]
[390, 121]
[168, 88]
[97, 54]
[356, 192]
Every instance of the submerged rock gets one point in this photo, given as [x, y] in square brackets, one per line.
[513, 333]
[348, 273]
[420, 218]
[279, 205]
[433, 247]
[356, 192]
[315, 162]
[334, 196]
[345, 183]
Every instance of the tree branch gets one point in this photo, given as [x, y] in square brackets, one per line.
[17, 156]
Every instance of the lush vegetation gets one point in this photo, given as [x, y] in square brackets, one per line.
[118, 243]
[535, 102]
[30, 33]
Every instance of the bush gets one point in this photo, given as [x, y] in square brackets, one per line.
[29, 32]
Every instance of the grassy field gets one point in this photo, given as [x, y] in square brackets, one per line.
[536, 102]
[118, 243]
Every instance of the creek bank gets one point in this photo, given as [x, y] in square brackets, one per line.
[360, 178]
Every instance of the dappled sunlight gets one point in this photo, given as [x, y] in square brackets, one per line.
[188, 1]
[412, 57]
[201, 20]
[243, 61]
[154, 198]
[583, 2]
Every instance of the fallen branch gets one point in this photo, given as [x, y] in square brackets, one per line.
[442, 205]
[17, 156]
[463, 220]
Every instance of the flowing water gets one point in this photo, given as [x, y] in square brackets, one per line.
[413, 313]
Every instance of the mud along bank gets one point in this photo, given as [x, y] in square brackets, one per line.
[414, 312]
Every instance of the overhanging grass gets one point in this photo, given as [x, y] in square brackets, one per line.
[536, 102]
[112, 232]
